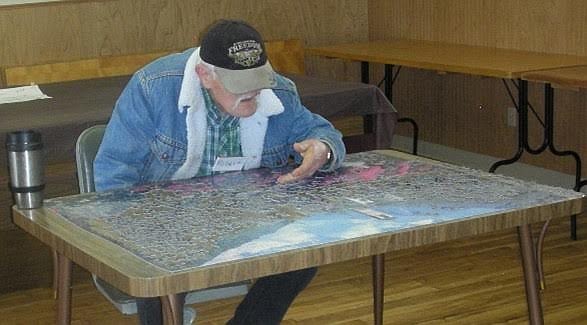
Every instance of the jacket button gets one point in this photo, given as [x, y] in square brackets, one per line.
[164, 156]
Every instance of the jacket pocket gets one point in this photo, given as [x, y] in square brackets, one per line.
[274, 157]
[167, 155]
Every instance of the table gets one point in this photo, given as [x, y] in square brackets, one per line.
[379, 202]
[457, 58]
[570, 77]
[77, 105]
[335, 99]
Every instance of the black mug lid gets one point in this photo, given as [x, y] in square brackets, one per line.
[23, 140]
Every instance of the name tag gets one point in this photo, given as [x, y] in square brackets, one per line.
[228, 164]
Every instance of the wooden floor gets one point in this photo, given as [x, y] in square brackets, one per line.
[474, 281]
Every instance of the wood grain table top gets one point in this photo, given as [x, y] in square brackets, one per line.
[448, 57]
[570, 77]
[173, 237]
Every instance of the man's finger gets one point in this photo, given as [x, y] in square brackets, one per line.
[301, 172]
[287, 178]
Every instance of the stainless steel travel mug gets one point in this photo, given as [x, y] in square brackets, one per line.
[27, 168]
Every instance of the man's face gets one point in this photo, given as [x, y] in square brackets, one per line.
[239, 105]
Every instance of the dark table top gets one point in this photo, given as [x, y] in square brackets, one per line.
[77, 105]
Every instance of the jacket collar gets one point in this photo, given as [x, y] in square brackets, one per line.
[190, 94]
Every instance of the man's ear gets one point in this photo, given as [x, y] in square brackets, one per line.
[204, 75]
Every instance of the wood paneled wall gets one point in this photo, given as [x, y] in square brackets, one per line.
[79, 30]
[536, 25]
[469, 112]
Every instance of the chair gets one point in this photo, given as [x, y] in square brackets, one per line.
[85, 151]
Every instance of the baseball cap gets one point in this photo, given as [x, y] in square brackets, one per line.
[237, 51]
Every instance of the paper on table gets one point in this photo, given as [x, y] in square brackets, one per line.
[21, 94]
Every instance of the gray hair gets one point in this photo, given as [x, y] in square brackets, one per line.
[211, 68]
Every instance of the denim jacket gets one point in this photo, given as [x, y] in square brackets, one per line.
[157, 128]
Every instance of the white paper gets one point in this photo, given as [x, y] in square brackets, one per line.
[21, 94]
[375, 214]
[20, 2]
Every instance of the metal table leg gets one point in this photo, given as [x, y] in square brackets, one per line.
[173, 309]
[389, 79]
[64, 267]
[522, 126]
[530, 276]
[548, 141]
[378, 282]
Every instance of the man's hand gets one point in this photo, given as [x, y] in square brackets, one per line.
[315, 155]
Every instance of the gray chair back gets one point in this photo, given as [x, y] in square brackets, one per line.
[86, 149]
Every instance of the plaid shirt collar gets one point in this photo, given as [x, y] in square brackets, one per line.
[222, 136]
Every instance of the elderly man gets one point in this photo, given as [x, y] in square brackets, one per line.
[195, 113]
